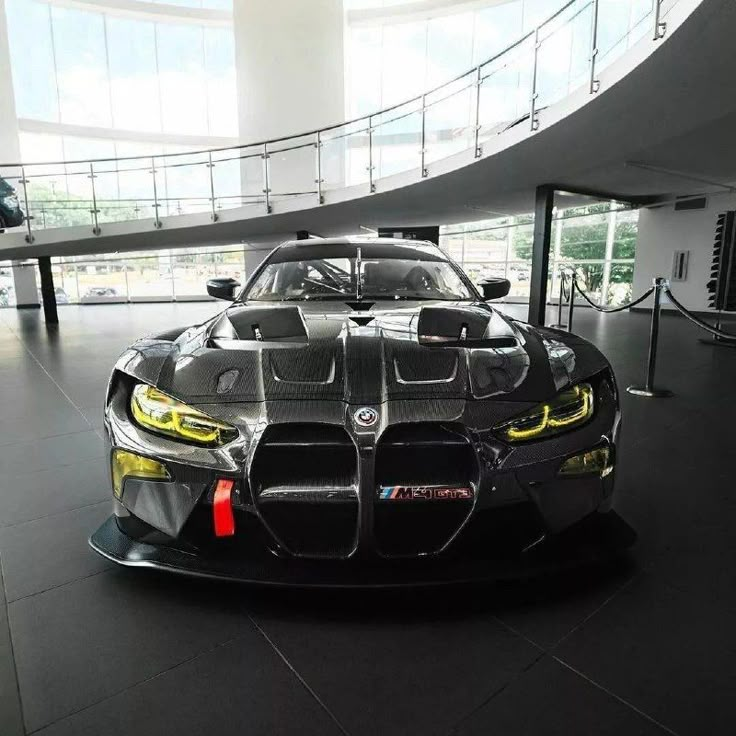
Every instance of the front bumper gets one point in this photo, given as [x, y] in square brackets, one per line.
[597, 538]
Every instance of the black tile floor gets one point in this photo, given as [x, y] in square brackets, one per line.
[645, 645]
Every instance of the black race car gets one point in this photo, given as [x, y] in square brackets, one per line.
[360, 415]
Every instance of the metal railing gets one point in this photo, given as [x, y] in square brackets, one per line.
[515, 86]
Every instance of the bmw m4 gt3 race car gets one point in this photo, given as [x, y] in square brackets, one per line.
[360, 415]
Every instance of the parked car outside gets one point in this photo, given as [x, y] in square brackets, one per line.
[11, 215]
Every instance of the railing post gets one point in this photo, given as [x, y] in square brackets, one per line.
[211, 166]
[424, 135]
[95, 224]
[533, 117]
[478, 84]
[318, 163]
[157, 219]
[266, 181]
[648, 389]
[370, 154]
[660, 26]
[28, 215]
[595, 84]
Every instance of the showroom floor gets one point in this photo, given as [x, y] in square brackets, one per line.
[645, 646]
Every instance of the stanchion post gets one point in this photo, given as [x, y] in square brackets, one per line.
[559, 324]
[571, 303]
[648, 390]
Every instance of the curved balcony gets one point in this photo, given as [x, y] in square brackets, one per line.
[277, 186]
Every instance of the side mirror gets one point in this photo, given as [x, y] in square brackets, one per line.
[223, 288]
[495, 288]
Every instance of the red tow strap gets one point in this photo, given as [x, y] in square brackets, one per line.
[222, 508]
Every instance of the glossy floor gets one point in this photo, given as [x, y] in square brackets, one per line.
[645, 646]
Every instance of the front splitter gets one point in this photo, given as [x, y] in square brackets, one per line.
[593, 541]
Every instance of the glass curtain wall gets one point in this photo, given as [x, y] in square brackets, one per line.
[179, 275]
[98, 68]
[133, 82]
[394, 54]
[598, 242]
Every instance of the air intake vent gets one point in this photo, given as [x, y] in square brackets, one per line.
[722, 286]
[305, 484]
[426, 476]
[690, 203]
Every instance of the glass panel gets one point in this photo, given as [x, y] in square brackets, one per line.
[191, 272]
[345, 155]
[495, 27]
[487, 245]
[454, 246]
[181, 78]
[134, 84]
[397, 140]
[627, 228]
[7, 290]
[102, 281]
[186, 180]
[449, 119]
[32, 52]
[135, 183]
[65, 282]
[293, 167]
[404, 61]
[81, 67]
[563, 58]
[222, 99]
[505, 92]
[620, 284]
[364, 69]
[520, 240]
[149, 278]
[590, 279]
[584, 238]
[449, 47]
[238, 177]
[231, 264]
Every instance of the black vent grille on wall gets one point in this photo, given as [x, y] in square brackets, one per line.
[722, 285]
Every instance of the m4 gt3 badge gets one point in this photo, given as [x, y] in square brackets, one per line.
[425, 493]
[366, 417]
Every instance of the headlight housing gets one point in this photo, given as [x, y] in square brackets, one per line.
[160, 413]
[11, 201]
[570, 409]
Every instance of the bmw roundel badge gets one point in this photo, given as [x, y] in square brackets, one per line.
[366, 417]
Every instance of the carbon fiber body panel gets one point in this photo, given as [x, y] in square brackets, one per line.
[315, 483]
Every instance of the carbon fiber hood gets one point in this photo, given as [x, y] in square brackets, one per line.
[361, 354]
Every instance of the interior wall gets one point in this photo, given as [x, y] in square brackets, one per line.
[662, 231]
[9, 145]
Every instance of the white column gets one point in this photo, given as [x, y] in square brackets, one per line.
[24, 277]
[24, 281]
[9, 144]
[290, 79]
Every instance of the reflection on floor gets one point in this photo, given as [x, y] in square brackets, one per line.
[644, 646]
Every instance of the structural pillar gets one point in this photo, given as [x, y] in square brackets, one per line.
[24, 283]
[289, 65]
[48, 294]
[9, 143]
[544, 203]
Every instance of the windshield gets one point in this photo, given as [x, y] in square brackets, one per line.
[359, 277]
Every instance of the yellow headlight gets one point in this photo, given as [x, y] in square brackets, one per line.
[160, 413]
[569, 409]
[129, 465]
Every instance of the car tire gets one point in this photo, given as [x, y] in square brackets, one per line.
[2, 225]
